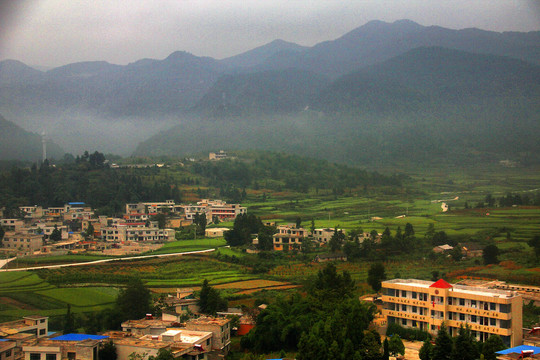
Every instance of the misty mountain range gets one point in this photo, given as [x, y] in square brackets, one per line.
[385, 88]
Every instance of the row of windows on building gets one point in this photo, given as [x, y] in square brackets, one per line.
[482, 336]
[439, 300]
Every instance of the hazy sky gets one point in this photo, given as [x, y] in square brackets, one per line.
[57, 32]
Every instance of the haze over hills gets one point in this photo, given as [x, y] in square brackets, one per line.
[379, 70]
[425, 104]
[18, 144]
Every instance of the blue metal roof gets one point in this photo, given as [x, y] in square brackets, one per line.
[519, 349]
[79, 337]
[76, 203]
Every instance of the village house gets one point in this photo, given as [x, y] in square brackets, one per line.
[442, 248]
[219, 327]
[11, 224]
[288, 237]
[220, 155]
[7, 349]
[323, 236]
[23, 243]
[35, 325]
[68, 346]
[183, 344]
[214, 209]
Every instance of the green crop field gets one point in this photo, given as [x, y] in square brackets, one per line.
[94, 287]
[24, 292]
[190, 245]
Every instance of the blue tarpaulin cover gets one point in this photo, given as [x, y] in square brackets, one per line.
[79, 337]
[519, 349]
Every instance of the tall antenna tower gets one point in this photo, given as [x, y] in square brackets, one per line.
[44, 142]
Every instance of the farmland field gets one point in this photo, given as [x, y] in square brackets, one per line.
[90, 288]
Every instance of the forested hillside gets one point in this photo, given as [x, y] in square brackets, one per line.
[18, 144]
[89, 179]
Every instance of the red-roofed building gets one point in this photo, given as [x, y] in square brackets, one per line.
[426, 305]
[441, 284]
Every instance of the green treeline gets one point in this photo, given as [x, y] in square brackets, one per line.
[277, 171]
[87, 180]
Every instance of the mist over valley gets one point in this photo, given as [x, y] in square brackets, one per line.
[384, 91]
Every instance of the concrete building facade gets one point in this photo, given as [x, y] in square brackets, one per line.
[288, 237]
[427, 305]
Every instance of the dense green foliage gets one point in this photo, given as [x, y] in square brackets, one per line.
[290, 172]
[107, 190]
[407, 333]
[324, 323]
[210, 301]
[133, 302]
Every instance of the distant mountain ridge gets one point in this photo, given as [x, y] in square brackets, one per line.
[429, 103]
[277, 78]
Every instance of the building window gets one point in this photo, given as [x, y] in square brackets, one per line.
[493, 322]
[403, 307]
[41, 331]
[462, 317]
[403, 293]
[414, 294]
[473, 303]
[404, 321]
[50, 357]
[462, 302]
[35, 356]
[450, 301]
[414, 309]
[473, 318]
[8, 353]
[492, 306]
[506, 324]
[71, 355]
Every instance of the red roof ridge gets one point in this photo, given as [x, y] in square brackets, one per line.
[441, 284]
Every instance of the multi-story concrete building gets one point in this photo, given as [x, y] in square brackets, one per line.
[22, 242]
[32, 212]
[136, 232]
[35, 325]
[323, 236]
[288, 237]
[69, 346]
[214, 209]
[154, 207]
[220, 155]
[219, 327]
[11, 224]
[7, 349]
[427, 305]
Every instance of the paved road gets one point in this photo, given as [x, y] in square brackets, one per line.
[107, 260]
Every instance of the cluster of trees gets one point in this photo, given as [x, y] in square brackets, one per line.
[85, 179]
[508, 200]
[210, 301]
[462, 347]
[246, 225]
[328, 323]
[370, 248]
[291, 172]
